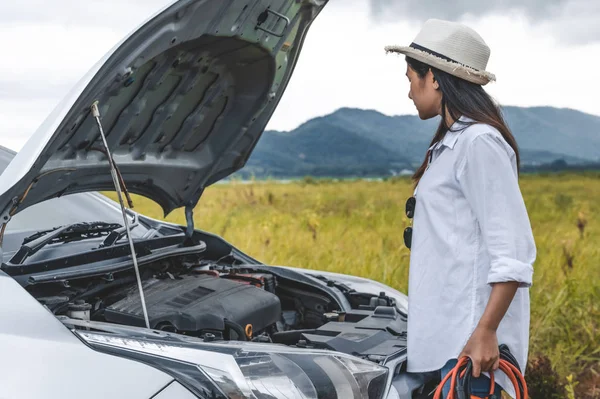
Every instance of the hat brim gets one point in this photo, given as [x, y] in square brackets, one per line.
[464, 72]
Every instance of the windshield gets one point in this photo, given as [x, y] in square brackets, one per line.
[74, 208]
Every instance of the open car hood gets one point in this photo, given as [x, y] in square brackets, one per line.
[183, 101]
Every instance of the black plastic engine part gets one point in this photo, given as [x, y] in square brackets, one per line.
[374, 334]
[195, 303]
[260, 280]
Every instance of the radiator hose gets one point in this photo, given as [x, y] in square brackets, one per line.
[460, 377]
[239, 331]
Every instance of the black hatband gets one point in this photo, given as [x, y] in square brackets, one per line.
[442, 56]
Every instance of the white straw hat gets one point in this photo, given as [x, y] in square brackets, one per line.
[451, 47]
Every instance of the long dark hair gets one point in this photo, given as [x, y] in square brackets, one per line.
[462, 98]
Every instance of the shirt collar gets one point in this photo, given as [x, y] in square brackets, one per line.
[451, 136]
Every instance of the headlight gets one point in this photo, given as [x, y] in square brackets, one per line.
[252, 370]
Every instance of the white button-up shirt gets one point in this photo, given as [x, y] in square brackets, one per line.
[470, 229]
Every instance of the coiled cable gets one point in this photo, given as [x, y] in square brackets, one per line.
[460, 377]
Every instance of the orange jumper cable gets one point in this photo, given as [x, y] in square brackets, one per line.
[459, 378]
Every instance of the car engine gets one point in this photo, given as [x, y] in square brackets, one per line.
[219, 301]
[202, 303]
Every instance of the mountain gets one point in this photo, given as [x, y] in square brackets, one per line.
[356, 142]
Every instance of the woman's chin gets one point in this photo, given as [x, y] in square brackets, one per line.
[425, 116]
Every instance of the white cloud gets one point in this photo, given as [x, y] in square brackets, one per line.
[47, 46]
[40, 64]
[570, 21]
[343, 64]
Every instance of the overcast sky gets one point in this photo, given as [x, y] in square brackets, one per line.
[544, 52]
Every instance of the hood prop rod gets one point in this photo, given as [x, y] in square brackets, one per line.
[113, 171]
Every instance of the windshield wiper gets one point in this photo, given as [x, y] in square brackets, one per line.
[71, 232]
[119, 232]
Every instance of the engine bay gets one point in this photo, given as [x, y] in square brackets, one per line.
[199, 304]
[218, 301]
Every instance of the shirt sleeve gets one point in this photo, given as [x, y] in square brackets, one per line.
[488, 178]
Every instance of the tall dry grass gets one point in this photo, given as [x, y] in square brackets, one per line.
[356, 228]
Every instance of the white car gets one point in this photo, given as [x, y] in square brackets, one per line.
[182, 100]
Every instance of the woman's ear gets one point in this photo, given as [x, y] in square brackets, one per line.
[431, 78]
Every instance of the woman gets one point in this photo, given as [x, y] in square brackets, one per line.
[472, 248]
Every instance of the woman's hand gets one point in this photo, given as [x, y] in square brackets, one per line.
[483, 350]
[482, 347]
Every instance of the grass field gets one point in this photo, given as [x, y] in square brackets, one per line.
[356, 228]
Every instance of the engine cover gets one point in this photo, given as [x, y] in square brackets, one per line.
[195, 303]
[373, 334]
